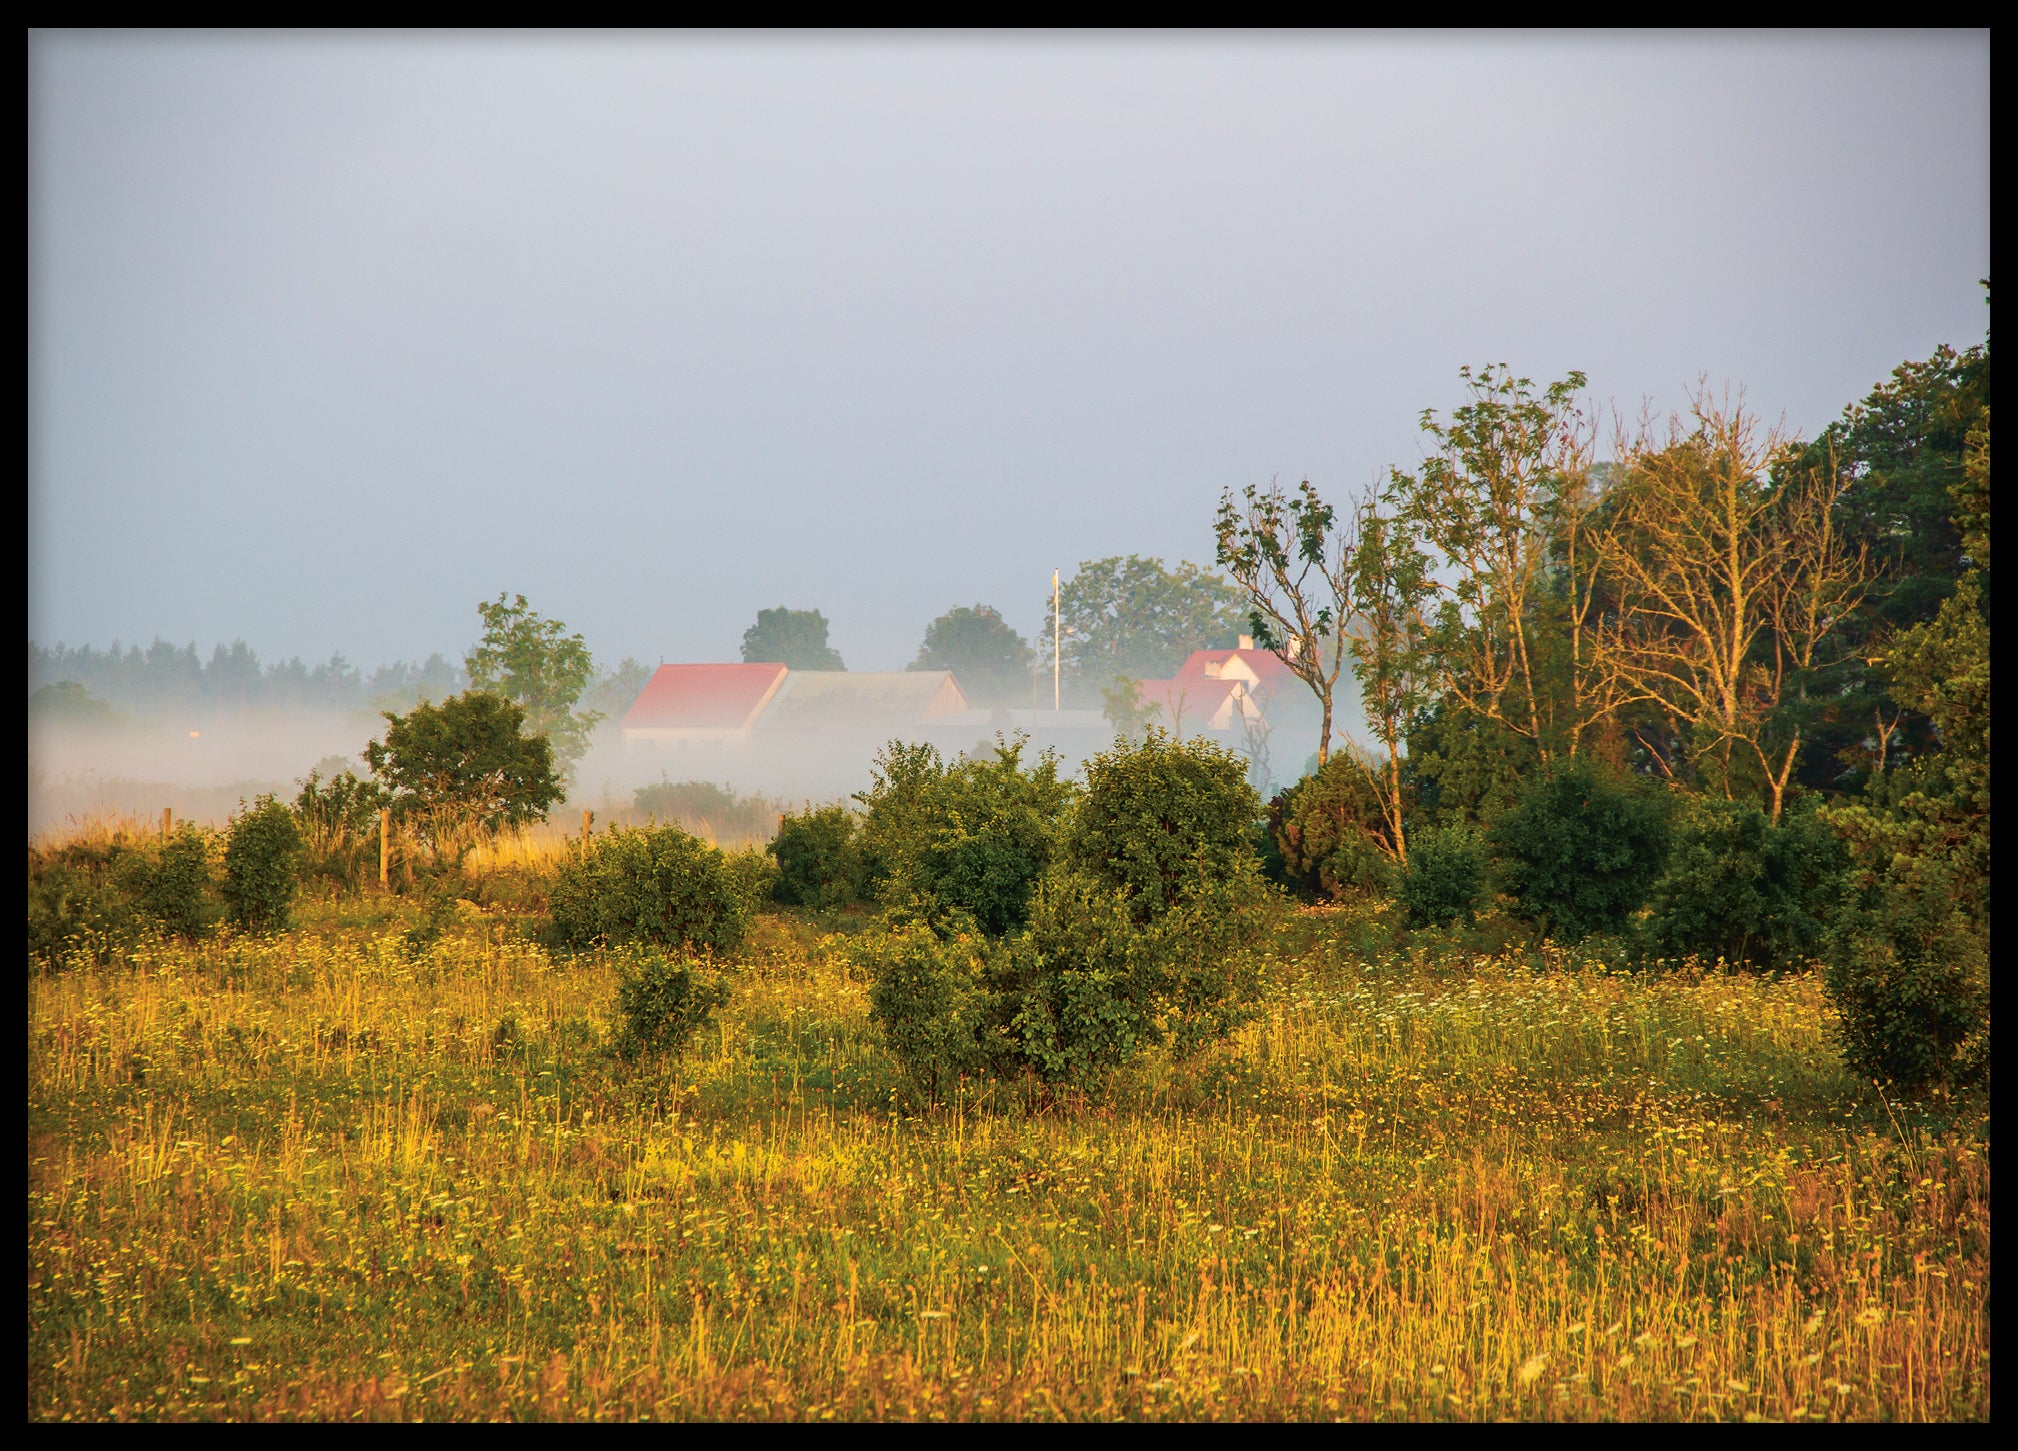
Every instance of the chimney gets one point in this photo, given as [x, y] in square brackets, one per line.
[1246, 641]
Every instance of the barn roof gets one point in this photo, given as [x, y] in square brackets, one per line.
[704, 697]
[863, 699]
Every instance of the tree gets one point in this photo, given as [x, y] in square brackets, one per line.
[612, 694]
[1504, 499]
[990, 660]
[796, 638]
[1124, 708]
[1292, 564]
[535, 663]
[1733, 580]
[1909, 956]
[1128, 615]
[464, 768]
[1389, 579]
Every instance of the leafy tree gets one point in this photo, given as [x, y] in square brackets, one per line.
[1293, 564]
[1462, 769]
[797, 638]
[1329, 831]
[338, 817]
[990, 660]
[1128, 615]
[1445, 879]
[938, 1002]
[1909, 955]
[613, 694]
[262, 865]
[1124, 708]
[69, 703]
[533, 662]
[464, 768]
[1580, 849]
[1504, 498]
[1903, 448]
[178, 892]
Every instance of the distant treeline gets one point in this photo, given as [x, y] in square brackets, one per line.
[171, 675]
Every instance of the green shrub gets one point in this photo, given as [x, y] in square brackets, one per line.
[753, 875]
[931, 997]
[84, 898]
[662, 1004]
[972, 837]
[654, 886]
[1154, 811]
[819, 858]
[180, 892]
[1740, 888]
[1445, 880]
[262, 865]
[1327, 831]
[1094, 985]
[1579, 850]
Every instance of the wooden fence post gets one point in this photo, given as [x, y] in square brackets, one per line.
[384, 847]
[588, 822]
[167, 820]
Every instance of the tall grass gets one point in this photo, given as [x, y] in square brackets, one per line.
[320, 1177]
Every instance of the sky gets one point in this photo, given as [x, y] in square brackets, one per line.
[333, 336]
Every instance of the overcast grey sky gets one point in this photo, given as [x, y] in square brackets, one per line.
[331, 337]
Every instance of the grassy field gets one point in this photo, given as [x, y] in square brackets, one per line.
[326, 1177]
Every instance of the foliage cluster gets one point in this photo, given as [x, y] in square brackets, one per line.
[652, 887]
[1721, 696]
[97, 896]
[1030, 933]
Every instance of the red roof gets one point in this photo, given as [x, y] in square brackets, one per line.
[704, 697]
[1270, 674]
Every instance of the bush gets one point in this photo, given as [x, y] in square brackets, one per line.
[1095, 986]
[1445, 880]
[934, 1000]
[753, 875]
[972, 838]
[85, 897]
[1740, 888]
[1327, 833]
[338, 817]
[654, 886]
[662, 1004]
[180, 892]
[262, 865]
[1579, 850]
[819, 858]
[1158, 812]
[706, 809]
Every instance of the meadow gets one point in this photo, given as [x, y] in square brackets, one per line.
[350, 1173]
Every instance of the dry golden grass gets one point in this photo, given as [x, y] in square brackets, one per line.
[321, 1177]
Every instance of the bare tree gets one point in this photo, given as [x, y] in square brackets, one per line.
[1733, 580]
